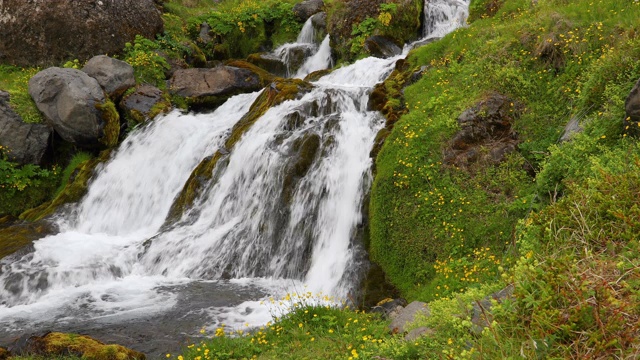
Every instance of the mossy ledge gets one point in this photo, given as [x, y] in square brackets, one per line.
[16, 235]
[111, 127]
[73, 191]
[280, 90]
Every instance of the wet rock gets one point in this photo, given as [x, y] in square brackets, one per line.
[417, 333]
[632, 107]
[115, 76]
[205, 33]
[71, 102]
[53, 344]
[481, 313]
[269, 62]
[305, 150]
[34, 33]
[305, 9]
[22, 143]
[389, 308]
[145, 103]
[381, 47]
[319, 21]
[486, 134]
[16, 235]
[209, 87]
[407, 315]
[572, 128]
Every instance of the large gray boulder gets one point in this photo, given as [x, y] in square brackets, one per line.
[400, 323]
[632, 107]
[115, 76]
[26, 143]
[305, 9]
[46, 32]
[211, 86]
[70, 101]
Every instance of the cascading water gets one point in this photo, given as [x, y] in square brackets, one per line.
[281, 211]
[444, 16]
[309, 55]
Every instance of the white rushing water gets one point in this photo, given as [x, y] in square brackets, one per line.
[305, 55]
[281, 212]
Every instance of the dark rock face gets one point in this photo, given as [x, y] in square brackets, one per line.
[382, 47]
[27, 143]
[115, 76]
[40, 32]
[145, 103]
[201, 86]
[632, 107]
[269, 63]
[68, 100]
[486, 134]
[307, 8]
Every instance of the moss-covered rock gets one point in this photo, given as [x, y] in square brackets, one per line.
[72, 192]
[265, 76]
[144, 103]
[111, 128]
[55, 344]
[15, 235]
[279, 91]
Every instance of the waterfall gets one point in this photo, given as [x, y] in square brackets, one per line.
[281, 211]
[305, 56]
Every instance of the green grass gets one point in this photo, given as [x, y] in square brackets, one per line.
[15, 81]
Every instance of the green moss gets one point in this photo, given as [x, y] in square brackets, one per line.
[16, 235]
[111, 128]
[56, 344]
[73, 191]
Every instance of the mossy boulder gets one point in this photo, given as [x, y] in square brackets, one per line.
[15, 234]
[144, 103]
[72, 192]
[208, 88]
[75, 105]
[279, 91]
[265, 76]
[55, 344]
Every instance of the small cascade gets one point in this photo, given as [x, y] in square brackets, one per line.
[305, 56]
[319, 61]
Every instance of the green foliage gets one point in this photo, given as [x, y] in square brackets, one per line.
[16, 81]
[246, 26]
[22, 187]
[148, 65]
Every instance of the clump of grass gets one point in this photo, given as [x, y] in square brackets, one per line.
[15, 81]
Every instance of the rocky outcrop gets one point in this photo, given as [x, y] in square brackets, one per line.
[209, 87]
[305, 9]
[486, 135]
[54, 345]
[269, 62]
[401, 322]
[632, 107]
[381, 47]
[74, 104]
[115, 76]
[145, 103]
[37, 33]
[22, 143]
